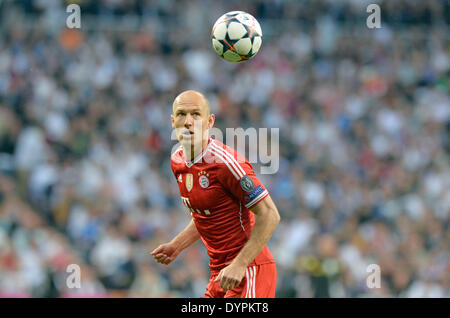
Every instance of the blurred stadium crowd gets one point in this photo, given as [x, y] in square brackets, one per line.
[85, 142]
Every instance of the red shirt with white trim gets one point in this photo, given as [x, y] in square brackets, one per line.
[219, 188]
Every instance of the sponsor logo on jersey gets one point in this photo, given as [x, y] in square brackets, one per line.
[252, 195]
[247, 184]
[189, 181]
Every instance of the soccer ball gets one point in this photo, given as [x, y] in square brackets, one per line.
[236, 36]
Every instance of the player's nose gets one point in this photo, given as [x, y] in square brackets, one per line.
[189, 121]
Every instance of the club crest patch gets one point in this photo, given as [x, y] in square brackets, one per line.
[247, 184]
[203, 179]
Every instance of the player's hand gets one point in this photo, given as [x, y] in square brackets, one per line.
[165, 253]
[230, 276]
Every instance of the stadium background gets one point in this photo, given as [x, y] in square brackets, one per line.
[364, 118]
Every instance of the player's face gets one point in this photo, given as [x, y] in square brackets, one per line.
[191, 120]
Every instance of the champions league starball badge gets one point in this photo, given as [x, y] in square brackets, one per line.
[247, 184]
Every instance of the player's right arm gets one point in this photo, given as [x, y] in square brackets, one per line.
[166, 253]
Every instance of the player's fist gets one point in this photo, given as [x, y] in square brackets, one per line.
[165, 253]
[230, 276]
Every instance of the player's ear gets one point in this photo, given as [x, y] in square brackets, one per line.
[172, 119]
[211, 120]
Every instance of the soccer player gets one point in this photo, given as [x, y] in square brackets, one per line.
[232, 212]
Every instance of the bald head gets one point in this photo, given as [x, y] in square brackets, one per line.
[192, 119]
[192, 98]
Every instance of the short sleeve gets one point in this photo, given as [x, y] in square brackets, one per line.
[240, 180]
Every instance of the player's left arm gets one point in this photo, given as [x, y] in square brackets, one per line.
[266, 220]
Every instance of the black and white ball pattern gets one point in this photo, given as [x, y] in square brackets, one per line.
[236, 36]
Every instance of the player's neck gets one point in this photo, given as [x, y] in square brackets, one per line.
[192, 152]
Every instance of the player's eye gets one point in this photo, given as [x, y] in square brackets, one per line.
[180, 114]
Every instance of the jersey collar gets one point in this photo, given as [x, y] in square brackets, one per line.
[200, 156]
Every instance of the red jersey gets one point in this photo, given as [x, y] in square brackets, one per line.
[219, 187]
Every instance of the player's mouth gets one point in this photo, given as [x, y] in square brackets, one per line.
[187, 133]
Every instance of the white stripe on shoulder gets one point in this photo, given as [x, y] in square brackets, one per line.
[176, 151]
[226, 162]
[230, 156]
